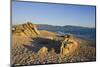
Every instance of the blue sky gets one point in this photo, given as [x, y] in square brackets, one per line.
[53, 14]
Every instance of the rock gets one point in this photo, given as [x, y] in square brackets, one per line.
[42, 53]
[68, 46]
[27, 29]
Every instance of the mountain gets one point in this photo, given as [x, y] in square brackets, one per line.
[57, 28]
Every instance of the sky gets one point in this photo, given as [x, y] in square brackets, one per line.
[53, 14]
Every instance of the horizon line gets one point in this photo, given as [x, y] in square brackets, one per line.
[54, 25]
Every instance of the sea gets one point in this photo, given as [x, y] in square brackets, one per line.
[89, 34]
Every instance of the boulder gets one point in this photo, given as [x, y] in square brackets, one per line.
[42, 53]
[68, 46]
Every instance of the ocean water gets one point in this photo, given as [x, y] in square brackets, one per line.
[82, 32]
[89, 34]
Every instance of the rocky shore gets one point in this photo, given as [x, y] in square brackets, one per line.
[31, 47]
